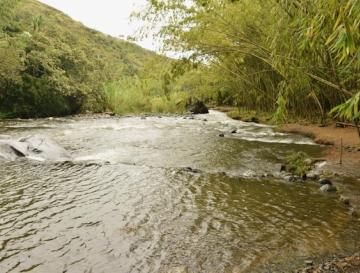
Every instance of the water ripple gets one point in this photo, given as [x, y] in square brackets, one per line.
[148, 211]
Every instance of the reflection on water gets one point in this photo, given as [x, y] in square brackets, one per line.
[139, 210]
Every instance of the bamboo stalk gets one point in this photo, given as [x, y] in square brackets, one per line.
[341, 152]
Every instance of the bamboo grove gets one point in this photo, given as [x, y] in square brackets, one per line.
[289, 57]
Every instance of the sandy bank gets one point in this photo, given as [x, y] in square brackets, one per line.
[337, 140]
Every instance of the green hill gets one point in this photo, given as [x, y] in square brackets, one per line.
[53, 65]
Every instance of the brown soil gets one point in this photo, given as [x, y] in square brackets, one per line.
[345, 265]
[333, 137]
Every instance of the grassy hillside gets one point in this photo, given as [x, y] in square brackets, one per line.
[53, 65]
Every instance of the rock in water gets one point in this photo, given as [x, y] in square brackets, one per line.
[325, 182]
[179, 269]
[328, 188]
[34, 147]
[7, 152]
[43, 148]
[345, 200]
[198, 107]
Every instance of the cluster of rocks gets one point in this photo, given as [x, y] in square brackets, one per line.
[351, 149]
[325, 184]
[233, 131]
[337, 265]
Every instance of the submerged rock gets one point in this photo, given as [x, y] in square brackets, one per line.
[111, 114]
[34, 147]
[179, 269]
[8, 152]
[312, 176]
[345, 200]
[189, 169]
[354, 213]
[328, 188]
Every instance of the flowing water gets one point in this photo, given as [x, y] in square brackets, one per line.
[130, 203]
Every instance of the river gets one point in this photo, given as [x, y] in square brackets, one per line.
[148, 195]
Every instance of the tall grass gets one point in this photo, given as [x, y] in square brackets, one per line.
[143, 96]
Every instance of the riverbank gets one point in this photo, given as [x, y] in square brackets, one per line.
[343, 152]
[343, 143]
[342, 156]
[337, 265]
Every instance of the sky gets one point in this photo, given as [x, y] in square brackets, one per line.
[108, 16]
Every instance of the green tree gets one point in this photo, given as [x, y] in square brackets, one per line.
[298, 58]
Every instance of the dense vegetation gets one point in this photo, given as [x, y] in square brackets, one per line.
[52, 65]
[291, 58]
[298, 58]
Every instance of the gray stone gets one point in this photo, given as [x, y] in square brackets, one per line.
[328, 188]
[309, 263]
[198, 107]
[8, 153]
[291, 178]
[34, 147]
[312, 176]
[189, 169]
[325, 181]
[354, 213]
[45, 148]
[345, 200]
[178, 269]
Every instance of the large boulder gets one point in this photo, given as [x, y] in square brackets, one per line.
[197, 107]
[7, 152]
[34, 147]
